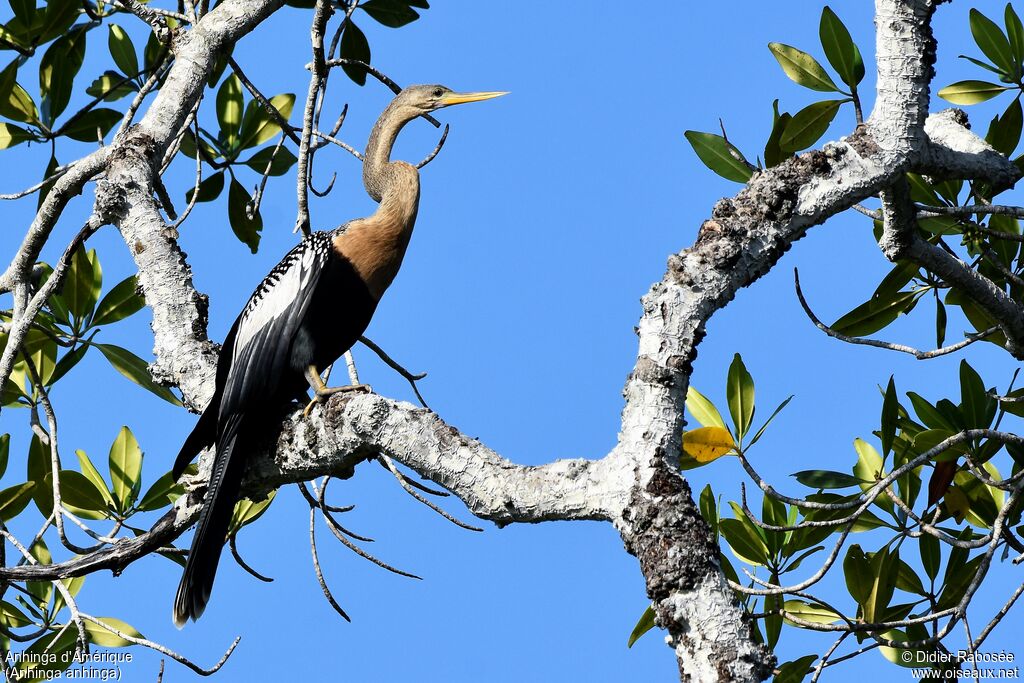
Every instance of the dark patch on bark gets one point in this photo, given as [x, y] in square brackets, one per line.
[666, 533]
[669, 537]
[862, 143]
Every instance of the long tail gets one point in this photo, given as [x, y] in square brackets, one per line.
[221, 496]
[203, 434]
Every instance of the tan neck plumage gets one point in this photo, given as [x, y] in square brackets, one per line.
[376, 245]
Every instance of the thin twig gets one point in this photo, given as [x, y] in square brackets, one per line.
[409, 489]
[891, 346]
[165, 650]
[242, 563]
[437, 148]
[394, 365]
[316, 567]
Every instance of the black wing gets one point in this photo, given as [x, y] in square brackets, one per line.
[264, 332]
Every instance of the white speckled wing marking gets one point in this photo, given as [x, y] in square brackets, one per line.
[269, 322]
[280, 289]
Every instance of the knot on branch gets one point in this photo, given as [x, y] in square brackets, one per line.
[668, 535]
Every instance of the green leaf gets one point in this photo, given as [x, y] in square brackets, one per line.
[93, 125]
[1004, 131]
[806, 611]
[12, 617]
[122, 50]
[38, 467]
[5, 452]
[14, 499]
[778, 409]
[119, 303]
[907, 579]
[918, 659]
[931, 555]
[391, 13]
[125, 468]
[645, 624]
[73, 586]
[802, 68]
[773, 152]
[209, 189]
[162, 493]
[83, 282]
[958, 579]
[795, 671]
[841, 51]
[247, 511]
[857, 571]
[826, 479]
[281, 164]
[709, 508]
[740, 395]
[246, 229]
[15, 103]
[48, 656]
[882, 584]
[41, 591]
[229, 111]
[744, 541]
[971, 92]
[90, 472]
[993, 42]
[24, 10]
[869, 469]
[79, 495]
[940, 323]
[57, 71]
[58, 18]
[135, 369]
[719, 155]
[809, 124]
[875, 314]
[1015, 33]
[11, 135]
[702, 409]
[104, 638]
[354, 46]
[977, 407]
[890, 416]
[258, 125]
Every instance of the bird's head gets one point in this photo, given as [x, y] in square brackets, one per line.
[427, 98]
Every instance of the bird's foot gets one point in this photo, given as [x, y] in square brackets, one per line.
[322, 394]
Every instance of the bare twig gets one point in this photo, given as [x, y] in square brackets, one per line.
[316, 567]
[394, 365]
[891, 346]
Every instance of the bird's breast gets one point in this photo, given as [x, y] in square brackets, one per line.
[375, 248]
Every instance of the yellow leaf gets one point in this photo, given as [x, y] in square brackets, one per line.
[707, 443]
[957, 503]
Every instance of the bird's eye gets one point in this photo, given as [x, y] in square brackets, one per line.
[438, 92]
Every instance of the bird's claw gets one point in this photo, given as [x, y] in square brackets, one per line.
[320, 395]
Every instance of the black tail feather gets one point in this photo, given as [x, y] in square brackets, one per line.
[221, 496]
[203, 434]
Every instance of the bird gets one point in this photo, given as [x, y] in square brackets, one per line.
[308, 311]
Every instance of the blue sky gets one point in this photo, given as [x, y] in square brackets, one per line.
[545, 218]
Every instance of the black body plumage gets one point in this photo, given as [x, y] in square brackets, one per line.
[309, 310]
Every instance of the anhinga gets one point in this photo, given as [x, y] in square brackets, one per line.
[309, 310]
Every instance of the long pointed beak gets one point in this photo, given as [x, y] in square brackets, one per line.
[463, 97]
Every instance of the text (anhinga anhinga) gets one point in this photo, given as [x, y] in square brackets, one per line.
[309, 310]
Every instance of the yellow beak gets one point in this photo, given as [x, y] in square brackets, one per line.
[463, 97]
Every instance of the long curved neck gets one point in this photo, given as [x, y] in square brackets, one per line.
[383, 178]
